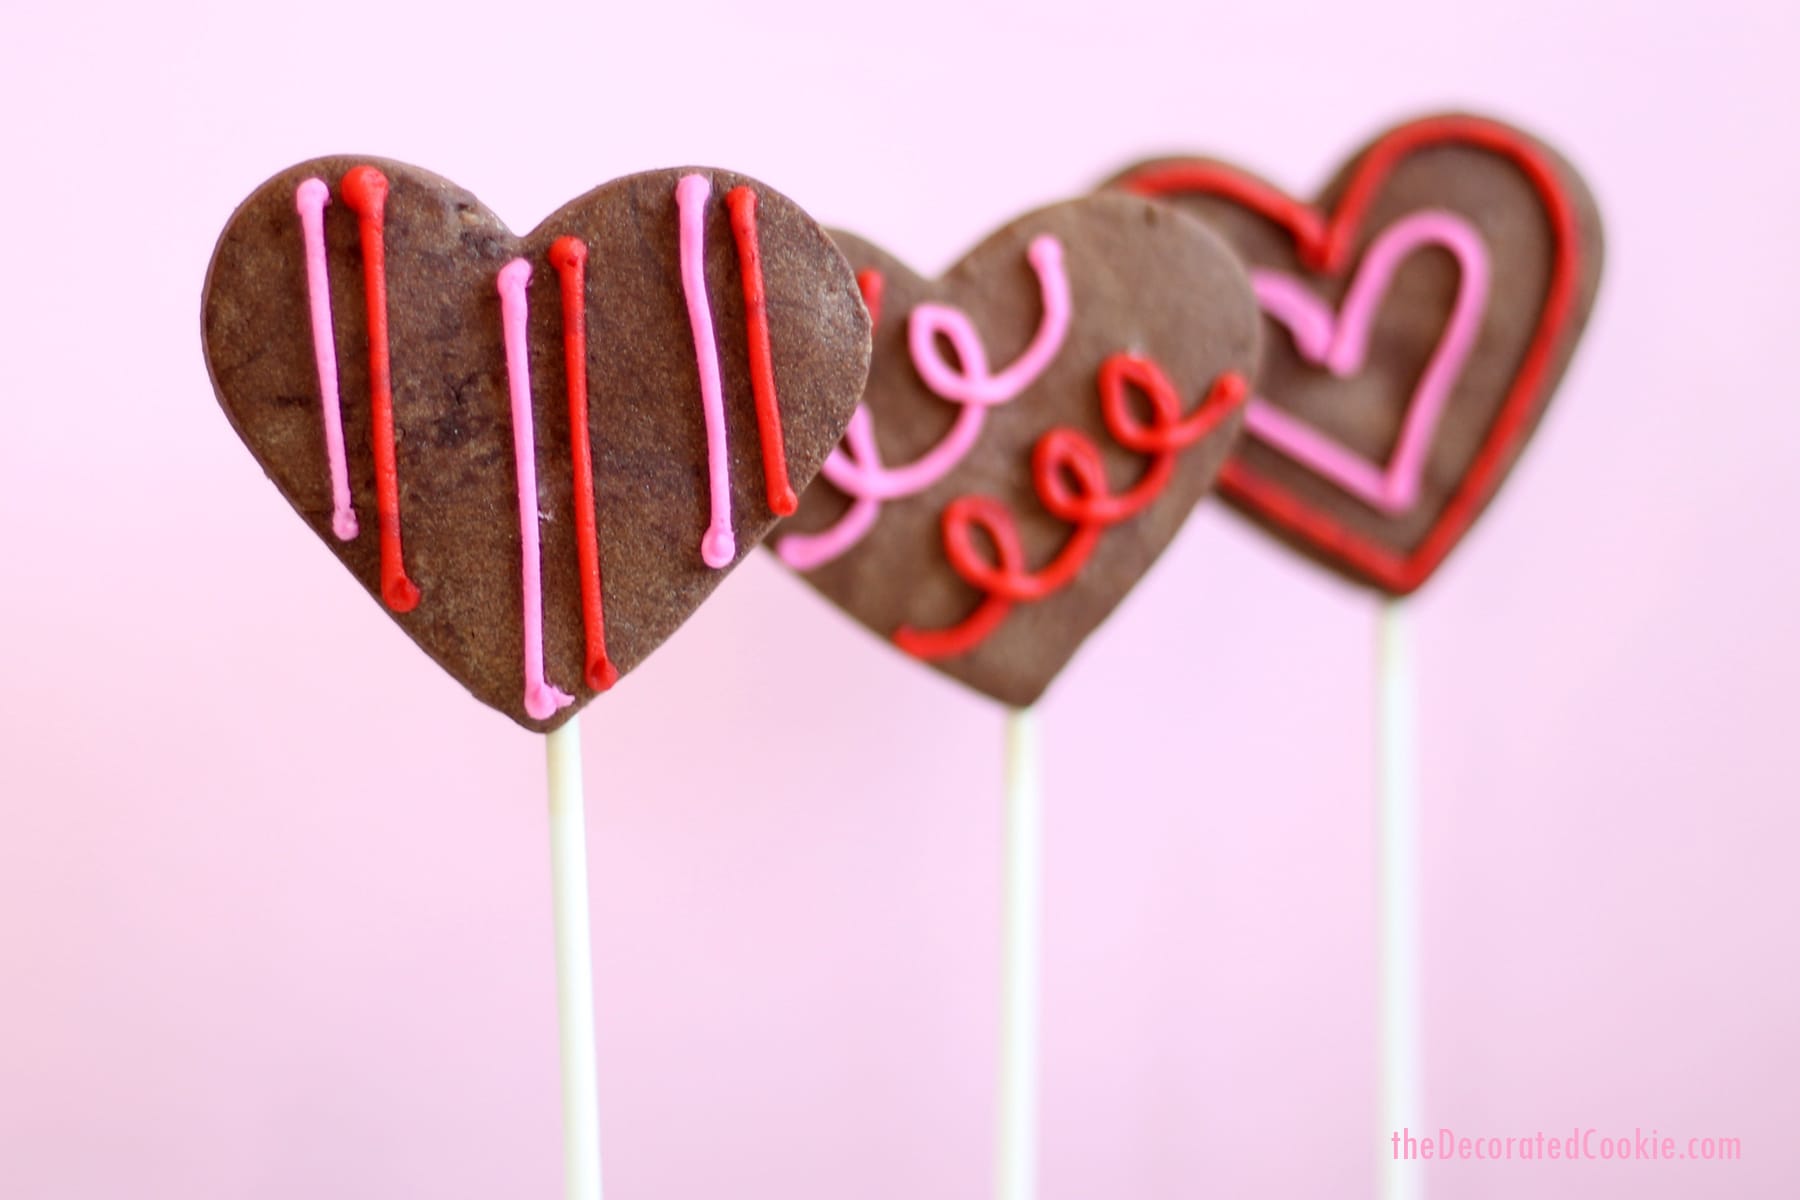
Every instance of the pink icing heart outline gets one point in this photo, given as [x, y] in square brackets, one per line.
[1339, 342]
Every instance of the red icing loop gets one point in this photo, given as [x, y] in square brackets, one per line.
[569, 256]
[1326, 243]
[1070, 478]
[365, 191]
[1064, 458]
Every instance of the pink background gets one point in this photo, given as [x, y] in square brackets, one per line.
[274, 898]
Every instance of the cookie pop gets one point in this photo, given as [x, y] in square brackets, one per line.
[538, 454]
[1038, 424]
[1420, 315]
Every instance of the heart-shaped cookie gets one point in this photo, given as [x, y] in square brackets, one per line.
[539, 453]
[1422, 312]
[1037, 425]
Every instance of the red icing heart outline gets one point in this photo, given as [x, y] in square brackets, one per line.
[1324, 243]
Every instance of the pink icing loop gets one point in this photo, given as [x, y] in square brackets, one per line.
[541, 699]
[856, 469]
[310, 199]
[807, 551]
[1339, 342]
[810, 551]
[974, 383]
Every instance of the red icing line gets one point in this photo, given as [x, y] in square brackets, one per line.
[1325, 245]
[365, 190]
[741, 200]
[569, 256]
[1070, 478]
[873, 285]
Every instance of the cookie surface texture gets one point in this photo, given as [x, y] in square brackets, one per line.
[539, 454]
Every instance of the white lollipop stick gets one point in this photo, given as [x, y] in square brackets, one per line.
[1016, 1158]
[1398, 850]
[574, 965]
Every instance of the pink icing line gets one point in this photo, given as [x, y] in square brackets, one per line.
[856, 468]
[1340, 344]
[310, 200]
[541, 699]
[717, 546]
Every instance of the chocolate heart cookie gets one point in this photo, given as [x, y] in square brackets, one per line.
[1038, 423]
[539, 453]
[1421, 314]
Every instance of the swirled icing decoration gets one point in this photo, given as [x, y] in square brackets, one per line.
[1070, 479]
[856, 468]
